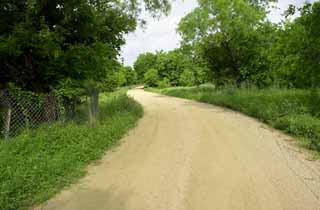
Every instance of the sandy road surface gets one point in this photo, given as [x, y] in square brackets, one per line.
[185, 155]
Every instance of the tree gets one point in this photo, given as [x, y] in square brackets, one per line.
[43, 43]
[202, 75]
[295, 56]
[65, 44]
[120, 78]
[225, 34]
[130, 74]
[151, 78]
[143, 63]
[187, 78]
[164, 83]
[171, 64]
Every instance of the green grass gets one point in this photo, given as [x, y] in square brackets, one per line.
[39, 163]
[294, 111]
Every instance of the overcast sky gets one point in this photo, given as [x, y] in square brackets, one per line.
[161, 34]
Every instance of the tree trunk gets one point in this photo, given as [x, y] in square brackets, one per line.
[234, 63]
[70, 107]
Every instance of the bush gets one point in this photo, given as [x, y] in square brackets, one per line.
[302, 126]
[119, 78]
[314, 100]
[151, 78]
[164, 83]
[187, 78]
[39, 163]
[201, 75]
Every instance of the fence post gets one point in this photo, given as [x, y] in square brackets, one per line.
[7, 123]
[93, 106]
[91, 121]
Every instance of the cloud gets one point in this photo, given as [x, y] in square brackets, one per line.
[161, 34]
[282, 5]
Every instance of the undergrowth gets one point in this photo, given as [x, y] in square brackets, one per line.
[39, 163]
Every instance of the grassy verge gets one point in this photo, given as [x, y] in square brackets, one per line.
[294, 111]
[39, 163]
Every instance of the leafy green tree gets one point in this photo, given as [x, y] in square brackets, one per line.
[202, 75]
[52, 44]
[225, 34]
[130, 74]
[233, 42]
[171, 64]
[143, 63]
[187, 78]
[151, 78]
[164, 83]
[120, 78]
[295, 56]
[43, 43]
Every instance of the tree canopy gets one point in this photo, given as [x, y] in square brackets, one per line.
[170, 66]
[233, 42]
[43, 43]
[239, 44]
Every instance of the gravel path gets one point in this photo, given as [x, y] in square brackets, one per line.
[185, 155]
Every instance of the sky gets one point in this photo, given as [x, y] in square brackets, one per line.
[160, 34]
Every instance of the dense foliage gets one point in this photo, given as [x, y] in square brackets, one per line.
[58, 44]
[124, 76]
[240, 45]
[69, 47]
[295, 55]
[171, 68]
[233, 42]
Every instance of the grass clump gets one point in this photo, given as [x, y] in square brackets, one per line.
[294, 111]
[39, 163]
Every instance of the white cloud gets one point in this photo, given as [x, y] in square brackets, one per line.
[161, 34]
[282, 5]
[158, 34]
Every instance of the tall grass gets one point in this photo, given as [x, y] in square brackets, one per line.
[293, 111]
[39, 163]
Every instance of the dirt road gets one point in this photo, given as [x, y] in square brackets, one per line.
[185, 155]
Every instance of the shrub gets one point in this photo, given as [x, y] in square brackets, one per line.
[151, 78]
[164, 83]
[119, 78]
[187, 78]
[314, 100]
[302, 126]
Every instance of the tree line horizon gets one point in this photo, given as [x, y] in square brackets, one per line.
[234, 43]
[72, 47]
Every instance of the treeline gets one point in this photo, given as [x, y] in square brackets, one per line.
[233, 42]
[173, 68]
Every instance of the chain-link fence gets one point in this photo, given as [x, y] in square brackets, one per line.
[20, 110]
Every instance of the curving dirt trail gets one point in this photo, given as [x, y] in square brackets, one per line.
[185, 155]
